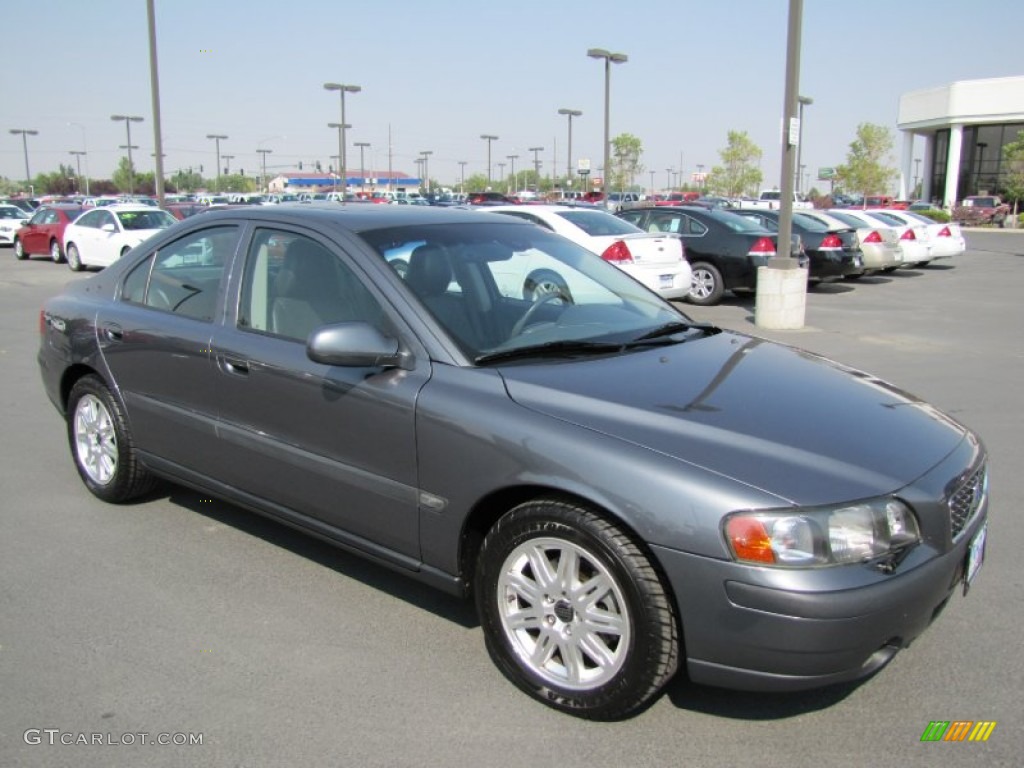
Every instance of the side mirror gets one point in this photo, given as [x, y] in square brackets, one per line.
[108, 227]
[354, 345]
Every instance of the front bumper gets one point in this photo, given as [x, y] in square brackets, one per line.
[750, 636]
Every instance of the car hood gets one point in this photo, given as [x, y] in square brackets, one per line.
[785, 421]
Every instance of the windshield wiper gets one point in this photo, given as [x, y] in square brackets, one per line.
[550, 349]
[659, 335]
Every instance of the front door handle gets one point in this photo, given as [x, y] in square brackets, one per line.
[113, 332]
[234, 365]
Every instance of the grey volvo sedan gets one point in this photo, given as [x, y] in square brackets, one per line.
[608, 479]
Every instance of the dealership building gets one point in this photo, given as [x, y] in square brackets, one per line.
[964, 127]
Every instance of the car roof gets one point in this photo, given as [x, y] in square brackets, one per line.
[356, 218]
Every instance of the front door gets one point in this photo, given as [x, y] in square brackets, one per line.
[333, 446]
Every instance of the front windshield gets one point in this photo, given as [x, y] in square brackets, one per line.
[501, 287]
[145, 219]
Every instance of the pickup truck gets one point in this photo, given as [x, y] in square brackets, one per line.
[981, 209]
[770, 199]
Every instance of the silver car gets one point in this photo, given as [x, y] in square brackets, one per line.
[624, 492]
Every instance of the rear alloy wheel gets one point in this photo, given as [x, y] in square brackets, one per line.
[19, 250]
[573, 612]
[56, 253]
[74, 259]
[101, 443]
[706, 287]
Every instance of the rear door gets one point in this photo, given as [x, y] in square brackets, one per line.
[155, 342]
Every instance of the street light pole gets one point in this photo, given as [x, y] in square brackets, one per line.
[263, 167]
[342, 90]
[341, 133]
[802, 101]
[488, 138]
[515, 183]
[217, 137]
[536, 162]
[362, 166]
[462, 183]
[78, 162]
[25, 133]
[609, 58]
[85, 152]
[128, 120]
[426, 153]
[569, 113]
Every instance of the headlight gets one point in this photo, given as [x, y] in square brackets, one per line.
[821, 536]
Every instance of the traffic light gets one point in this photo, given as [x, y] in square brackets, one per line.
[300, 165]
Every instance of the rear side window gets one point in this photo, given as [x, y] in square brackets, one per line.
[184, 276]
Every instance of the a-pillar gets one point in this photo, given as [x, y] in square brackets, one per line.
[956, 140]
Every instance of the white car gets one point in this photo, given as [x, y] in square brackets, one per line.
[656, 259]
[879, 244]
[101, 236]
[913, 240]
[12, 218]
[944, 240]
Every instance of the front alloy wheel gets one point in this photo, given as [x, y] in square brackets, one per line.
[55, 252]
[19, 250]
[706, 286]
[74, 259]
[573, 612]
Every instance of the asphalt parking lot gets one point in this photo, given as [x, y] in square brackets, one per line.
[184, 615]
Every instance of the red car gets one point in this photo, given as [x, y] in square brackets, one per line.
[44, 232]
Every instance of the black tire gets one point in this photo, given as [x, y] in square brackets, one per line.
[621, 657]
[544, 282]
[56, 252]
[19, 250]
[101, 444]
[854, 276]
[889, 269]
[706, 286]
[74, 258]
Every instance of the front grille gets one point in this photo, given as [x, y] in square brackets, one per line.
[967, 500]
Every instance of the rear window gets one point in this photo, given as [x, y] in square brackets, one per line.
[810, 224]
[735, 222]
[598, 223]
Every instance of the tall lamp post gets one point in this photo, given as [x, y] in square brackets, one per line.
[362, 165]
[227, 163]
[515, 184]
[569, 113]
[462, 183]
[426, 153]
[802, 101]
[668, 179]
[341, 175]
[128, 120]
[536, 162]
[488, 138]
[263, 167]
[85, 153]
[25, 133]
[342, 90]
[217, 138]
[609, 58]
[78, 161]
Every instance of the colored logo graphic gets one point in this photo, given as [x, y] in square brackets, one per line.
[958, 730]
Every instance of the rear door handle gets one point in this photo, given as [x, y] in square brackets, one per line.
[234, 365]
[113, 332]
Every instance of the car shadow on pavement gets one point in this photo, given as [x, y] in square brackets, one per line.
[746, 705]
[441, 604]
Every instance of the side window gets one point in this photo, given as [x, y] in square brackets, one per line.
[186, 274]
[90, 219]
[134, 287]
[632, 217]
[293, 285]
[38, 218]
[694, 227]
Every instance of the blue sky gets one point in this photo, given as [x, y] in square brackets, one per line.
[442, 73]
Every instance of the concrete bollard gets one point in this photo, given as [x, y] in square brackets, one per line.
[781, 301]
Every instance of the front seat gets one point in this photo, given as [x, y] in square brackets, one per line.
[308, 291]
[430, 274]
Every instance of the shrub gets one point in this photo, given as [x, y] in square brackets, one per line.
[936, 215]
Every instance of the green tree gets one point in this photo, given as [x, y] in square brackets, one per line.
[62, 182]
[868, 168]
[126, 177]
[627, 150]
[1013, 180]
[739, 174]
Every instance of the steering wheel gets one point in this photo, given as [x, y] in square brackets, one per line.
[523, 321]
